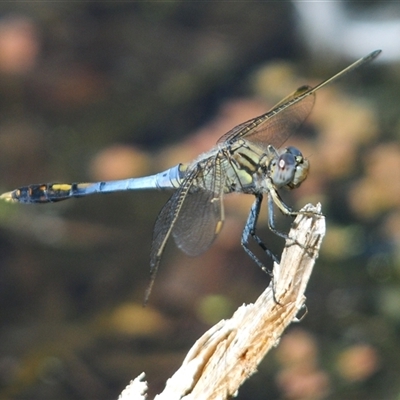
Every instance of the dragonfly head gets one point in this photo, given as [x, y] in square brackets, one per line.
[289, 169]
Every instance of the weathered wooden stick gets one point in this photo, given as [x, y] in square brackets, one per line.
[226, 355]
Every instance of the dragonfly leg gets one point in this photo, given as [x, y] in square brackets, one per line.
[250, 230]
[271, 217]
[286, 211]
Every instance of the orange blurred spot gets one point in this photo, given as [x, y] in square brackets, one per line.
[343, 126]
[298, 383]
[275, 80]
[296, 347]
[301, 377]
[133, 319]
[379, 190]
[119, 162]
[19, 45]
[358, 362]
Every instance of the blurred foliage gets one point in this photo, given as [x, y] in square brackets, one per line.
[103, 90]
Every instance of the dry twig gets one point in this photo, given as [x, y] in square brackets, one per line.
[225, 356]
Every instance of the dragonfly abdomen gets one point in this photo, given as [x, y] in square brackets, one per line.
[52, 192]
[45, 193]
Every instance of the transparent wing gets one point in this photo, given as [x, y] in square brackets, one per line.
[194, 215]
[275, 126]
[165, 222]
[163, 227]
[199, 223]
[202, 214]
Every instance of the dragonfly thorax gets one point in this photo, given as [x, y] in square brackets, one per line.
[289, 169]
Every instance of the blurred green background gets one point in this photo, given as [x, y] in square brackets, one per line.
[108, 90]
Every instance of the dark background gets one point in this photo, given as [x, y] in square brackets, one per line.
[109, 90]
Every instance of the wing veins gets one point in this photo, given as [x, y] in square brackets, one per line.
[299, 95]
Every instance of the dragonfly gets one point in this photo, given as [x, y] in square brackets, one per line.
[247, 159]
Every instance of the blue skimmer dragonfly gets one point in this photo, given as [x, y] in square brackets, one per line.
[246, 159]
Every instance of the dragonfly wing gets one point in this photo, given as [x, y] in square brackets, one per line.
[194, 215]
[163, 228]
[199, 223]
[278, 124]
[165, 222]
[202, 214]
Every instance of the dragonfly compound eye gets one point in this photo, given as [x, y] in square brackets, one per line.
[301, 169]
[290, 169]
